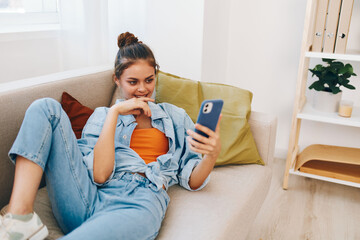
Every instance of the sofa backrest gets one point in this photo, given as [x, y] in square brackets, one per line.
[91, 89]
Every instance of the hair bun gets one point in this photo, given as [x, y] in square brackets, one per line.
[126, 39]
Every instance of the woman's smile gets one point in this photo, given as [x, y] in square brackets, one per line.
[139, 96]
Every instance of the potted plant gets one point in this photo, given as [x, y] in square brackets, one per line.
[331, 77]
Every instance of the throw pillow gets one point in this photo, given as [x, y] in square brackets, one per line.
[181, 92]
[78, 113]
[238, 144]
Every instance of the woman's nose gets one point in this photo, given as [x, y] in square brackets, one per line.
[141, 87]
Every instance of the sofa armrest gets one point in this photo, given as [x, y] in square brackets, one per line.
[263, 127]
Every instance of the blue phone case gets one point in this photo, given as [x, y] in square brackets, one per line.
[209, 114]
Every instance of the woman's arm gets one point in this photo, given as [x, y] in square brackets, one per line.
[104, 150]
[210, 147]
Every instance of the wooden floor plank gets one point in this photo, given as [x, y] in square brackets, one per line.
[309, 209]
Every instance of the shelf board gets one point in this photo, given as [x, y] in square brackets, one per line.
[346, 172]
[309, 113]
[328, 179]
[349, 57]
[329, 163]
[327, 153]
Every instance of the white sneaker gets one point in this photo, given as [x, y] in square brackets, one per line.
[12, 228]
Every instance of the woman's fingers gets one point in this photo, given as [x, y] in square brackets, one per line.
[135, 106]
[135, 112]
[146, 99]
[199, 145]
[217, 129]
[205, 130]
[146, 109]
[143, 103]
[198, 150]
[197, 136]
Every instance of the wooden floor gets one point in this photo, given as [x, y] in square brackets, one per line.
[309, 209]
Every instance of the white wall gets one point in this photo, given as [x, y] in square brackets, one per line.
[215, 41]
[126, 15]
[265, 40]
[259, 42]
[28, 55]
[172, 29]
[260, 46]
[83, 34]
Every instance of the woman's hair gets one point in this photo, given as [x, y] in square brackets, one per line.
[131, 50]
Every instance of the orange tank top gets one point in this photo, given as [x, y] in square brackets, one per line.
[149, 143]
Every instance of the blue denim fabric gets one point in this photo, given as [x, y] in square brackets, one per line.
[172, 168]
[127, 206]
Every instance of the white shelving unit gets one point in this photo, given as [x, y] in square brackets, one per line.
[327, 179]
[309, 113]
[354, 56]
[328, 163]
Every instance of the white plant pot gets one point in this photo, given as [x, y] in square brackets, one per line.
[326, 102]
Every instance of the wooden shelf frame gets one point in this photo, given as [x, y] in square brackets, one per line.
[309, 28]
[303, 110]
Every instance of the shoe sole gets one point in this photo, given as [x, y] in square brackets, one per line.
[41, 234]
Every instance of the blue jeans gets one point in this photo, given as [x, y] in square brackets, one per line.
[128, 207]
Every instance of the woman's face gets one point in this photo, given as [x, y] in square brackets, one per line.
[138, 80]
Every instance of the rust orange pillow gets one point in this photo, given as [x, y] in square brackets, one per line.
[77, 113]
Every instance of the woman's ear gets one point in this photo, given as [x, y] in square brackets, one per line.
[116, 80]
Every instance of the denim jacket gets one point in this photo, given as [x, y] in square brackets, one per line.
[174, 167]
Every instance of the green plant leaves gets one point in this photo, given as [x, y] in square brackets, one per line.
[319, 67]
[318, 86]
[327, 60]
[335, 66]
[349, 86]
[347, 69]
[335, 89]
[332, 76]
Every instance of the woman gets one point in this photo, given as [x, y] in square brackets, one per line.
[110, 184]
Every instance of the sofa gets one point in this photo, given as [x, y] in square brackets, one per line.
[225, 209]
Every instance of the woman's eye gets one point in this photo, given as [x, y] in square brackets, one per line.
[149, 80]
[132, 82]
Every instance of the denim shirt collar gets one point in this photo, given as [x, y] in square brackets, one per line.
[156, 113]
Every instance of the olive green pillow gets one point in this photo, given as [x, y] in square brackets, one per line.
[237, 142]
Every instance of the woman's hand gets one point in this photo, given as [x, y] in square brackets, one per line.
[210, 146]
[134, 106]
[104, 153]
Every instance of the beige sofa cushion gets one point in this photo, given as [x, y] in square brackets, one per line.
[224, 209]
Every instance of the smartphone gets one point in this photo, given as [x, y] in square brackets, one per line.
[209, 114]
